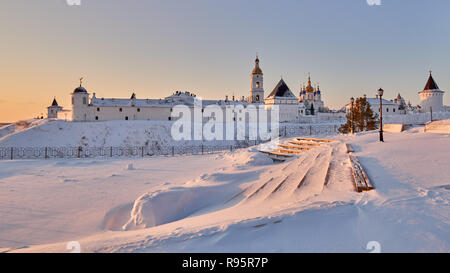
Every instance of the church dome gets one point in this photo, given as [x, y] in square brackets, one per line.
[257, 70]
[80, 89]
[309, 88]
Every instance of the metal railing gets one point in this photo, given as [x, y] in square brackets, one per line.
[12, 153]
[285, 130]
[305, 130]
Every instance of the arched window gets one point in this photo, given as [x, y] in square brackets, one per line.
[96, 117]
[120, 109]
[126, 118]
[84, 100]
[257, 85]
[257, 98]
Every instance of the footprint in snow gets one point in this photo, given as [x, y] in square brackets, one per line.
[71, 180]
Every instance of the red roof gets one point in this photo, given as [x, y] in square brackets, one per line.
[431, 84]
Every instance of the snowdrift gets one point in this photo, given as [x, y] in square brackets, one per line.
[238, 192]
[393, 128]
[439, 126]
[58, 133]
[20, 126]
[153, 209]
[6, 130]
[205, 194]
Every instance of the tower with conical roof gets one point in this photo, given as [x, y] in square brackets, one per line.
[431, 97]
[257, 88]
[52, 110]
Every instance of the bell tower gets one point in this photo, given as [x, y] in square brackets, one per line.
[80, 103]
[257, 91]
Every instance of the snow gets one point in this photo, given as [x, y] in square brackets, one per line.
[236, 201]
[442, 122]
[393, 128]
[376, 101]
[58, 133]
[121, 133]
[438, 126]
[20, 126]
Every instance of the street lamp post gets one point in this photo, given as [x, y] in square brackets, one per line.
[352, 101]
[380, 94]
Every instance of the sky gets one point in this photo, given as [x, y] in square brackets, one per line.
[208, 47]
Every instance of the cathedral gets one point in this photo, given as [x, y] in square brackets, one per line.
[91, 108]
[311, 98]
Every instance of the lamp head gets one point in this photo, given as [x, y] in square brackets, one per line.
[380, 92]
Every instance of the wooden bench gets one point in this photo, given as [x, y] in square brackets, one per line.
[349, 148]
[362, 181]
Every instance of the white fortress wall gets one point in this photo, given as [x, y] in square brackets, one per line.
[416, 118]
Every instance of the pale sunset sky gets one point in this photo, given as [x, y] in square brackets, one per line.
[154, 47]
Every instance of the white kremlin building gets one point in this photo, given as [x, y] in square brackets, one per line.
[431, 100]
[92, 108]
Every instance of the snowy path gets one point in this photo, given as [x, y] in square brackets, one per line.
[203, 203]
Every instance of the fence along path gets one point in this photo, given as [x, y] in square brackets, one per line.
[11, 153]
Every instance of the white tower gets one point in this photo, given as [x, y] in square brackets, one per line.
[431, 98]
[52, 110]
[257, 91]
[80, 103]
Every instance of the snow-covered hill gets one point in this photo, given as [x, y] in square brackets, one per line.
[121, 133]
[20, 126]
[58, 133]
